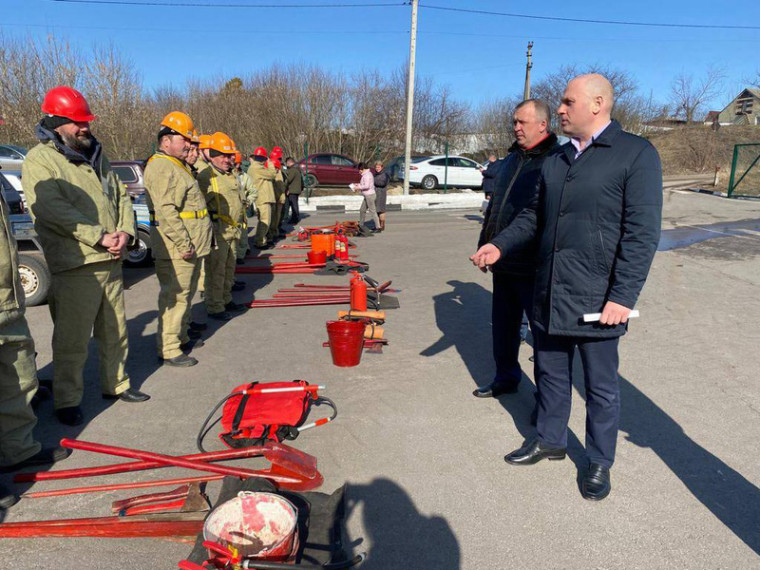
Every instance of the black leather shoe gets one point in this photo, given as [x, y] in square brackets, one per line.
[238, 286]
[44, 456]
[131, 395]
[191, 344]
[198, 326]
[194, 335]
[221, 316]
[239, 261]
[534, 452]
[70, 416]
[181, 361]
[493, 389]
[7, 499]
[233, 307]
[596, 483]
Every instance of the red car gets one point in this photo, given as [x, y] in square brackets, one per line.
[330, 169]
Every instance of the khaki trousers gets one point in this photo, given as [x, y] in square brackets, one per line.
[178, 280]
[220, 274]
[274, 225]
[266, 212]
[18, 384]
[242, 245]
[84, 302]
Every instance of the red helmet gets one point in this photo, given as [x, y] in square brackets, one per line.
[63, 101]
[260, 151]
[276, 152]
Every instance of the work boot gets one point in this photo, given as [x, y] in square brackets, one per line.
[239, 261]
[238, 286]
[42, 394]
[130, 395]
[44, 456]
[198, 326]
[233, 307]
[181, 361]
[7, 499]
[194, 335]
[71, 416]
[220, 316]
[263, 247]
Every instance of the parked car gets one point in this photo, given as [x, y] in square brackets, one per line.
[130, 172]
[14, 177]
[397, 165]
[11, 156]
[32, 267]
[11, 195]
[326, 169]
[140, 255]
[430, 172]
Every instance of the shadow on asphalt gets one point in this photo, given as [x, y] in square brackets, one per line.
[400, 535]
[463, 316]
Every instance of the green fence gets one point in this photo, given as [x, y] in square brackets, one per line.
[744, 181]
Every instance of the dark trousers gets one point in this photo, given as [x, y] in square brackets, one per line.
[295, 214]
[554, 368]
[512, 298]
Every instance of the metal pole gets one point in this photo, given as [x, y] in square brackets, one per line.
[306, 162]
[446, 169]
[733, 170]
[410, 97]
[526, 92]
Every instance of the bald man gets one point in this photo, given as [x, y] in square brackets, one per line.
[596, 223]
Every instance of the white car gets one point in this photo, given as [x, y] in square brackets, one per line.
[431, 172]
[14, 177]
[11, 156]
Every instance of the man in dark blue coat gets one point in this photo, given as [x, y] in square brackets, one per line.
[490, 173]
[513, 278]
[597, 220]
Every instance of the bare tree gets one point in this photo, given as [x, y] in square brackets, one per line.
[689, 94]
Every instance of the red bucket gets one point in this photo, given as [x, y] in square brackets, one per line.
[346, 342]
[317, 257]
[258, 525]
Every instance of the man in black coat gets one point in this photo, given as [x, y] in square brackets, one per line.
[597, 220]
[513, 277]
[490, 173]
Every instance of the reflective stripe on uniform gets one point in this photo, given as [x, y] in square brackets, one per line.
[191, 215]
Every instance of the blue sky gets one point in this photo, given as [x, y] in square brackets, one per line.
[478, 56]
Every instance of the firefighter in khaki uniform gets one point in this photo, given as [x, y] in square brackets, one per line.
[18, 373]
[242, 249]
[222, 191]
[202, 163]
[275, 161]
[180, 233]
[263, 175]
[84, 220]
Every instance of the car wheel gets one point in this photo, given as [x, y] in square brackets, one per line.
[311, 181]
[430, 182]
[139, 256]
[35, 278]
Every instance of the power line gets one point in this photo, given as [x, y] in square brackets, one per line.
[215, 5]
[589, 21]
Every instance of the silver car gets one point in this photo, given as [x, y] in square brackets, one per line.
[11, 156]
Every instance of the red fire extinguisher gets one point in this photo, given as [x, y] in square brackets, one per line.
[358, 292]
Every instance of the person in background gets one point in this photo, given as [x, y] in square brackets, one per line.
[490, 172]
[293, 189]
[367, 187]
[381, 192]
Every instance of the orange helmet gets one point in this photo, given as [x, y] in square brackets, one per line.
[220, 142]
[64, 101]
[180, 123]
[260, 151]
[195, 139]
[276, 152]
[238, 157]
[204, 140]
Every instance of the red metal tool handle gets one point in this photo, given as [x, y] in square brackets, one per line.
[157, 457]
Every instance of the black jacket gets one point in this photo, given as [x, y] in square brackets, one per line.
[490, 174]
[515, 188]
[293, 180]
[597, 220]
[381, 179]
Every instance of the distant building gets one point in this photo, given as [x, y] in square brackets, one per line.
[743, 110]
[712, 118]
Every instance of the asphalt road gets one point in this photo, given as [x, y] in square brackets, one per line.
[422, 459]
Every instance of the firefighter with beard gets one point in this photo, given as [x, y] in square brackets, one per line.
[180, 234]
[84, 220]
[222, 191]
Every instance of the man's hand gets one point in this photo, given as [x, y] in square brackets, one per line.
[119, 248]
[108, 241]
[614, 314]
[187, 256]
[486, 256]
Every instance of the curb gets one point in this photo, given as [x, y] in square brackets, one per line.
[395, 203]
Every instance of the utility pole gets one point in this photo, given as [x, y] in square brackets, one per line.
[529, 65]
[410, 97]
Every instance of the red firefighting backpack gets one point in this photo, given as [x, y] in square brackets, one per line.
[256, 412]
